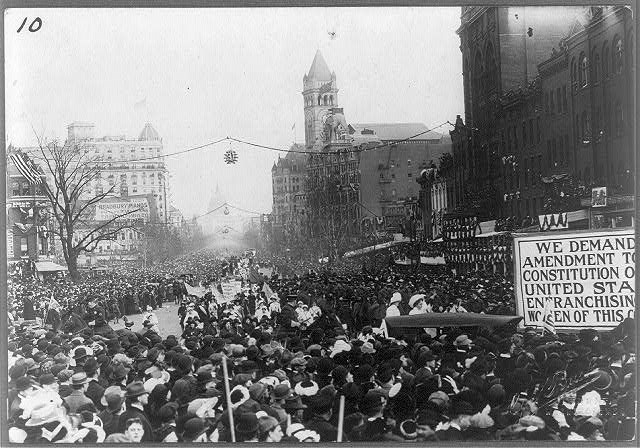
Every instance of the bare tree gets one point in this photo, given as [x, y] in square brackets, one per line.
[71, 175]
[329, 216]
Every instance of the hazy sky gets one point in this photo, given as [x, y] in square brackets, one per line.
[211, 73]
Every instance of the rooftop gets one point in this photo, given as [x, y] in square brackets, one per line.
[396, 131]
[149, 134]
[319, 69]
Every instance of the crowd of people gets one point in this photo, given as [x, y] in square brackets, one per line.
[302, 356]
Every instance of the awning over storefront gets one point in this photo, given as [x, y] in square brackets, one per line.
[49, 266]
[432, 320]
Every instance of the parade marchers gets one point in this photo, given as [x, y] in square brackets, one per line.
[292, 355]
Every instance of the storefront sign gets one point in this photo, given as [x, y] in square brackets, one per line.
[589, 277]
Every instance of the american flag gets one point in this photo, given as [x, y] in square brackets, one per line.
[27, 168]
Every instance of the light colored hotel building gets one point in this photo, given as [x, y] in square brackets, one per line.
[127, 163]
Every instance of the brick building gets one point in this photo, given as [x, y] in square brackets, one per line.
[288, 177]
[530, 107]
[389, 189]
[27, 213]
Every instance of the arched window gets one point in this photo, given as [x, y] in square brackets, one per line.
[331, 100]
[618, 61]
[574, 73]
[584, 69]
[491, 68]
[605, 61]
[319, 100]
[134, 179]
[478, 73]
[586, 127]
[596, 67]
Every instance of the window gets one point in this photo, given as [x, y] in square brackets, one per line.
[134, 179]
[617, 55]
[619, 119]
[531, 132]
[564, 98]
[15, 188]
[26, 189]
[596, 67]
[546, 102]
[584, 67]
[605, 61]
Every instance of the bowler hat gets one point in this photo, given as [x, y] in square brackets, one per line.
[135, 389]
[193, 428]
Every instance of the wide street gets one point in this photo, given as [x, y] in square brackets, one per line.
[168, 319]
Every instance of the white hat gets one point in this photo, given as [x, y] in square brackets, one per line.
[415, 299]
[339, 347]
[395, 298]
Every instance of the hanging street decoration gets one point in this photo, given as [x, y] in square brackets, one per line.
[230, 157]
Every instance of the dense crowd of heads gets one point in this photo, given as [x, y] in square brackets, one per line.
[293, 348]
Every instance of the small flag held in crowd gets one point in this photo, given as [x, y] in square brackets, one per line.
[53, 303]
[548, 321]
[267, 290]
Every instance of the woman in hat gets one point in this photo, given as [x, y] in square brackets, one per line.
[392, 309]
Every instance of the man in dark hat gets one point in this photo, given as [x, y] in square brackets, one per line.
[94, 389]
[136, 397]
[321, 407]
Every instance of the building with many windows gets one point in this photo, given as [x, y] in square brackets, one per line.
[132, 166]
[545, 108]
[288, 178]
[28, 219]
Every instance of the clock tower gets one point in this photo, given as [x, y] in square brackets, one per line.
[320, 93]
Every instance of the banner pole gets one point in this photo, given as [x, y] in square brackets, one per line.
[340, 419]
[228, 393]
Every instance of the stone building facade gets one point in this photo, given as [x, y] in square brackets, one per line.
[541, 103]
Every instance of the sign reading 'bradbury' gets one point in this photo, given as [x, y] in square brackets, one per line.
[588, 277]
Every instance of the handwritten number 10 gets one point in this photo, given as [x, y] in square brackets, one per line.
[35, 25]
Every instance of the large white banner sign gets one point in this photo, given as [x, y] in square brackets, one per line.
[589, 277]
